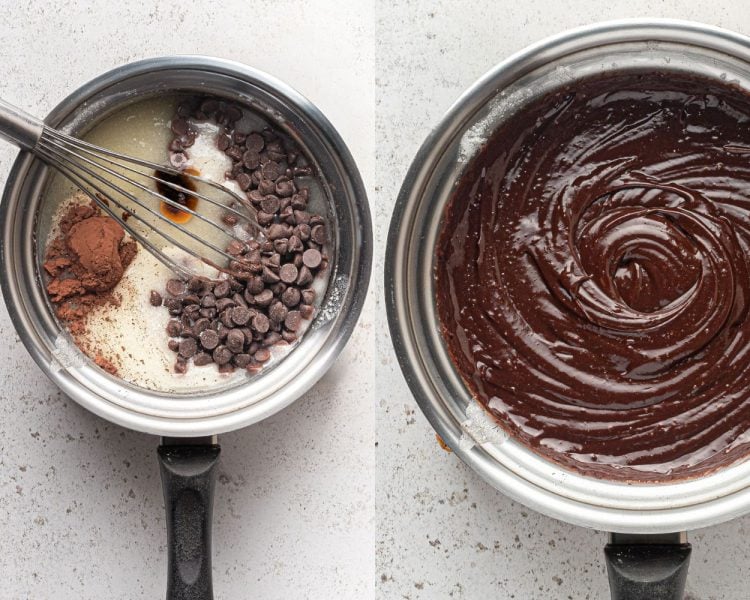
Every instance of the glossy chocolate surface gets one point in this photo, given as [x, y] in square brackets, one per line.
[592, 276]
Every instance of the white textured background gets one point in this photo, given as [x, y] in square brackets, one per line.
[444, 534]
[81, 510]
[80, 500]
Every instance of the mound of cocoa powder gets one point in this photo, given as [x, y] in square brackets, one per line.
[84, 263]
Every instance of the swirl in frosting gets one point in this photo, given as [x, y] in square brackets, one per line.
[592, 276]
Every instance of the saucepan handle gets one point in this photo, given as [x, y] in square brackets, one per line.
[647, 567]
[188, 473]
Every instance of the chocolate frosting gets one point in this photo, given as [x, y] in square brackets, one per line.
[592, 276]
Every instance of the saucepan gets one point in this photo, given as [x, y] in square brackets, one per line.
[189, 423]
[648, 554]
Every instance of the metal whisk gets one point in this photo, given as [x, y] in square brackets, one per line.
[87, 167]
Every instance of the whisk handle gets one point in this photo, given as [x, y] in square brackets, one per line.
[19, 127]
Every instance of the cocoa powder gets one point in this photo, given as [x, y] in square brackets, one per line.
[84, 264]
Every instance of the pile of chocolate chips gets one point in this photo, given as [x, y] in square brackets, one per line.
[234, 322]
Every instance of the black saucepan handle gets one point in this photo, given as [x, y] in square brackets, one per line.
[647, 567]
[188, 472]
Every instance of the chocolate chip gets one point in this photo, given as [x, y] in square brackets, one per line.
[208, 313]
[208, 301]
[244, 181]
[291, 297]
[281, 246]
[175, 287]
[174, 305]
[266, 186]
[308, 296]
[301, 216]
[272, 337]
[200, 326]
[311, 258]
[202, 359]
[235, 247]
[271, 170]
[288, 273]
[295, 244]
[240, 315]
[195, 284]
[262, 355]
[319, 235]
[226, 318]
[251, 159]
[223, 304]
[269, 276]
[273, 261]
[180, 366]
[293, 320]
[209, 339]
[254, 142]
[222, 330]
[227, 368]
[235, 341]
[287, 215]
[221, 290]
[223, 142]
[229, 219]
[188, 348]
[209, 106]
[254, 286]
[284, 188]
[260, 323]
[241, 360]
[270, 204]
[306, 311]
[174, 327]
[305, 277]
[222, 355]
[234, 152]
[299, 201]
[288, 336]
[277, 312]
[184, 109]
[155, 298]
[264, 218]
[173, 345]
[179, 126]
[303, 231]
[233, 113]
[191, 310]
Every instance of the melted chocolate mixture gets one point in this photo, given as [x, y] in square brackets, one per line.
[592, 276]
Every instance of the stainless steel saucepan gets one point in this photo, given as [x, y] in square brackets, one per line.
[648, 553]
[188, 423]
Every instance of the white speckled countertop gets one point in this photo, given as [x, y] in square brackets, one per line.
[307, 506]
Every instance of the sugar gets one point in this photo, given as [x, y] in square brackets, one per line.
[133, 335]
